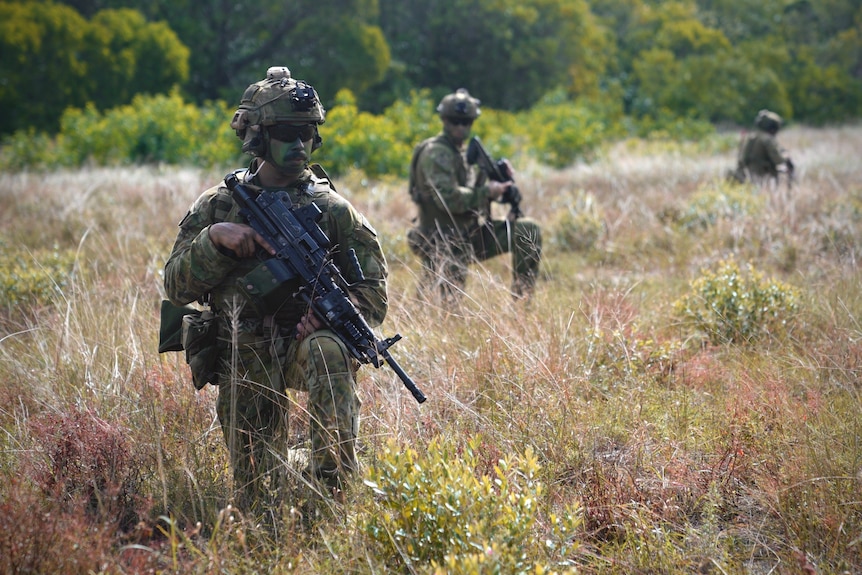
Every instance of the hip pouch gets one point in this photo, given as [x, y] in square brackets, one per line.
[200, 341]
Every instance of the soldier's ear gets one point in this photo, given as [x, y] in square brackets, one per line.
[318, 141]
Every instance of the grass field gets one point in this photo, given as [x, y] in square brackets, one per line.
[681, 395]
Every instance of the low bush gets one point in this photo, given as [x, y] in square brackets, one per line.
[32, 278]
[435, 509]
[730, 305]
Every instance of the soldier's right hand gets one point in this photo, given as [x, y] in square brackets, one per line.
[238, 240]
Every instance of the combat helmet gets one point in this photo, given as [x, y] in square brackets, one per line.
[768, 121]
[278, 98]
[459, 105]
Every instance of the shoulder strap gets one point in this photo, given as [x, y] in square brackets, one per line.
[414, 192]
[319, 172]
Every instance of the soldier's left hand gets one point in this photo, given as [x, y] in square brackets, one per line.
[309, 324]
[510, 171]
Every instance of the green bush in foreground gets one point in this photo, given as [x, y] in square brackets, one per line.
[435, 510]
[732, 306]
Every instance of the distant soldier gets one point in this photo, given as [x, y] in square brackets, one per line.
[760, 157]
[453, 200]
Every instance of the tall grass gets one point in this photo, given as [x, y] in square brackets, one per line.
[601, 429]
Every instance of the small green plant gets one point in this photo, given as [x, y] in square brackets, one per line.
[615, 356]
[719, 200]
[33, 278]
[733, 306]
[435, 510]
[580, 225]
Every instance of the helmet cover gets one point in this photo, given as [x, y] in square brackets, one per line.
[460, 104]
[768, 121]
[277, 99]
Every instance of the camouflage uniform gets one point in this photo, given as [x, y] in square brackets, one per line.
[259, 355]
[453, 230]
[760, 156]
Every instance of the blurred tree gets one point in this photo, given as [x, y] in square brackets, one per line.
[332, 44]
[825, 70]
[821, 46]
[127, 56]
[507, 52]
[673, 63]
[54, 59]
[41, 69]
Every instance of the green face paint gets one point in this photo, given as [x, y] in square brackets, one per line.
[289, 156]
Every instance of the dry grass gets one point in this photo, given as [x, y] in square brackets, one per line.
[682, 457]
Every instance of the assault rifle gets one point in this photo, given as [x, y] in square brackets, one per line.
[497, 171]
[301, 253]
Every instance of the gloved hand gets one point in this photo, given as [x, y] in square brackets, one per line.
[511, 196]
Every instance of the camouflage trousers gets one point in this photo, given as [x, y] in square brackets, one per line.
[446, 259]
[253, 409]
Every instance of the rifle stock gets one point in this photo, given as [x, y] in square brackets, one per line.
[301, 252]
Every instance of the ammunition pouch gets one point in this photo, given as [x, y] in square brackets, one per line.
[171, 325]
[267, 285]
[200, 341]
[196, 332]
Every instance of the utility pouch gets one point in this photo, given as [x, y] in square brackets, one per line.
[264, 287]
[171, 325]
[200, 340]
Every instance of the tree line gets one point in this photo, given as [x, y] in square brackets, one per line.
[712, 60]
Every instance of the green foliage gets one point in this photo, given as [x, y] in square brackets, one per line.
[733, 306]
[127, 56]
[435, 509]
[719, 200]
[355, 59]
[152, 129]
[580, 224]
[511, 53]
[41, 45]
[578, 129]
[378, 145]
[54, 59]
[617, 357]
[33, 278]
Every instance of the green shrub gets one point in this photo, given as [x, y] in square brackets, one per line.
[719, 200]
[561, 131]
[166, 129]
[33, 278]
[625, 356]
[580, 224]
[152, 129]
[667, 125]
[355, 139]
[732, 306]
[434, 509]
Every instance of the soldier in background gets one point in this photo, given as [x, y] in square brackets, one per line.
[259, 353]
[760, 157]
[453, 200]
